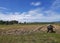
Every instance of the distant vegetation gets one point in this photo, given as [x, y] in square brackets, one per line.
[8, 22]
[16, 22]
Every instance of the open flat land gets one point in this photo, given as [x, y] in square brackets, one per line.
[29, 33]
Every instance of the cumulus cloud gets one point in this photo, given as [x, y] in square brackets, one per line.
[31, 16]
[36, 15]
[36, 3]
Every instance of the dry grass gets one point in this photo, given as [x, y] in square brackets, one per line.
[12, 34]
[14, 29]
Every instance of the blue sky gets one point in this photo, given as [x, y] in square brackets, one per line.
[24, 5]
[30, 10]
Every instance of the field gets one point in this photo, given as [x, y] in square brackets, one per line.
[28, 33]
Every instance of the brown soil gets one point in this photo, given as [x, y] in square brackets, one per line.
[27, 30]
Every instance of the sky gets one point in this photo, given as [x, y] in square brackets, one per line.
[30, 10]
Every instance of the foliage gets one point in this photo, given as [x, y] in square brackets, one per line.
[8, 22]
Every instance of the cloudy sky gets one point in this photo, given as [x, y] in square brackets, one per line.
[30, 10]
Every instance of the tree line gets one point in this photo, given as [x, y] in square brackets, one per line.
[2, 22]
[8, 22]
[16, 22]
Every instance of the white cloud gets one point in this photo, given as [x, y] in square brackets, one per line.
[56, 5]
[36, 3]
[3, 8]
[36, 15]
[31, 16]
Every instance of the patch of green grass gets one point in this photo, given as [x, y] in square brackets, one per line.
[31, 38]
